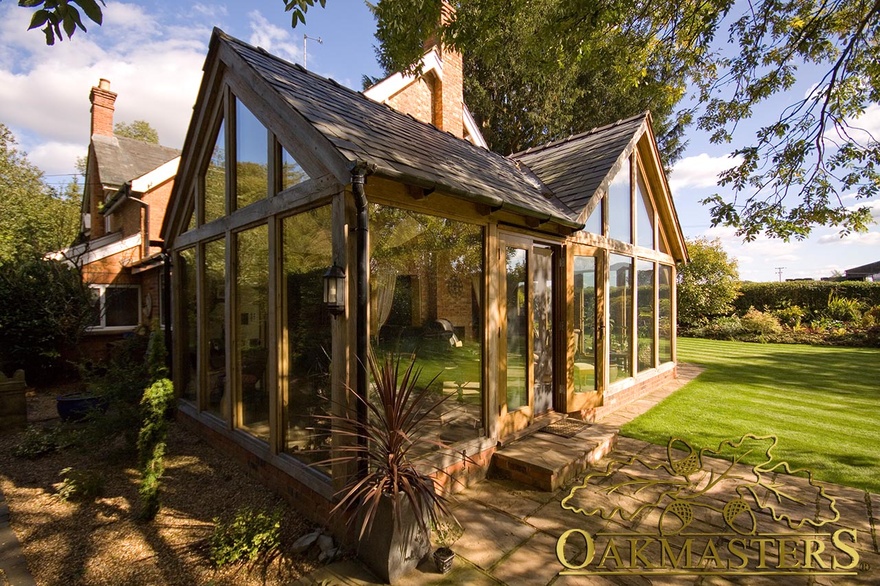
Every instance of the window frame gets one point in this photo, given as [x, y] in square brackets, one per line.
[102, 305]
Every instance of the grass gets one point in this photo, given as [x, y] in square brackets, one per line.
[823, 404]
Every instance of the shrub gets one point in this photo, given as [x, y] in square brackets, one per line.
[156, 403]
[843, 309]
[80, 485]
[790, 316]
[720, 328]
[249, 535]
[121, 381]
[811, 296]
[38, 441]
[44, 307]
[871, 317]
[759, 322]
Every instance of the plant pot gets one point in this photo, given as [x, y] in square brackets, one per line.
[393, 548]
[443, 558]
[77, 406]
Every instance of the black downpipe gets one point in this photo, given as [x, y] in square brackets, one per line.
[166, 300]
[358, 176]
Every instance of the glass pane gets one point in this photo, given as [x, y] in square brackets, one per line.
[594, 221]
[664, 314]
[121, 306]
[291, 171]
[620, 316]
[585, 323]
[517, 329]
[186, 269]
[95, 320]
[307, 252]
[542, 316]
[191, 222]
[645, 282]
[426, 276]
[215, 325]
[645, 219]
[252, 331]
[251, 156]
[620, 206]
[215, 179]
[662, 243]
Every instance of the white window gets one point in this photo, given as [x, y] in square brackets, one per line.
[117, 307]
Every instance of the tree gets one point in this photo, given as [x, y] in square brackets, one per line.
[138, 130]
[707, 284]
[33, 219]
[555, 65]
[796, 172]
[44, 307]
[541, 70]
[55, 15]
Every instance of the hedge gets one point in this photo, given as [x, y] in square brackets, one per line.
[809, 295]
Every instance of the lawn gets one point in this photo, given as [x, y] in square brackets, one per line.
[823, 403]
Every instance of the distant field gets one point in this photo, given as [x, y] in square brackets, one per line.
[822, 403]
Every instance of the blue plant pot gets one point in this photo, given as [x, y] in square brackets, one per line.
[76, 406]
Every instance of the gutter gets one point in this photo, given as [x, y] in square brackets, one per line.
[358, 176]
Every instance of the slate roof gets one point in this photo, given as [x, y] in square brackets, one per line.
[122, 159]
[867, 270]
[400, 146]
[574, 168]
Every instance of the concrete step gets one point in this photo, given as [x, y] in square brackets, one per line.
[547, 461]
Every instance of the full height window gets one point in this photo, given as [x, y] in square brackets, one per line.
[256, 358]
[645, 317]
[214, 324]
[426, 279]
[252, 330]
[305, 381]
[620, 316]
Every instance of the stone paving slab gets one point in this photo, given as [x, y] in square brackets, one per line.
[13, 567]
[512, 530]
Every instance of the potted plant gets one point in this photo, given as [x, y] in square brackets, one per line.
[390, 501]
[446, 531]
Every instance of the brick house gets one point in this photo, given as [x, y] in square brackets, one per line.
[535, 285]
[127, 187]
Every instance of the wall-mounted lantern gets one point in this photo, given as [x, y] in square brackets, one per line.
[334, 290]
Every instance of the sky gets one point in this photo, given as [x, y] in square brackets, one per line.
[152, 51]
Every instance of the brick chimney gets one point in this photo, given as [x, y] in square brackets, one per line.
[449, 94]
[102, 100]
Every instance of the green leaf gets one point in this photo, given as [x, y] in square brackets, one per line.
[39, 19]
[92, 10]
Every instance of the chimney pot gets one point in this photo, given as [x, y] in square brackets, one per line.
[104, 84]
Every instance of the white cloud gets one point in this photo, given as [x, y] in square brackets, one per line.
[276, 40]
[860, 239]
[44, 91]
[699, 171]
[56, 158]
[210, 10]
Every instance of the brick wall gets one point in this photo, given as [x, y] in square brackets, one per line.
[625, 396]
[452, 93]
[103, 101]
[417, 99]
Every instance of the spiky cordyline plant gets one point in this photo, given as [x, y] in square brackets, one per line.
[390, 433]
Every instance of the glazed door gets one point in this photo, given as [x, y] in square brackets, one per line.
[527, 322]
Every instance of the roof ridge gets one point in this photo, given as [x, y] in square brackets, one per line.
[574, 137]
[362, 96]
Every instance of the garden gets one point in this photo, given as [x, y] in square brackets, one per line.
[820, 401]
[123, 494]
